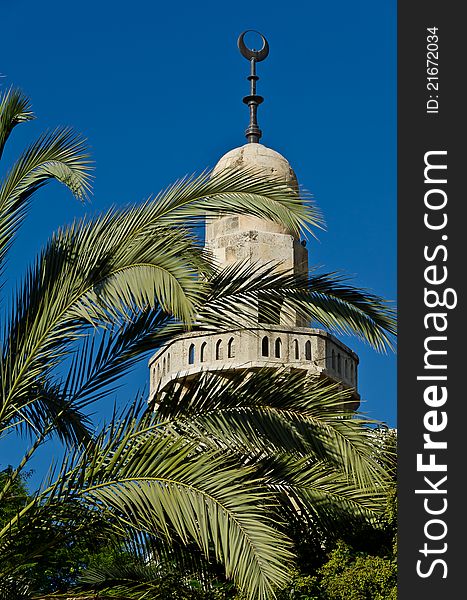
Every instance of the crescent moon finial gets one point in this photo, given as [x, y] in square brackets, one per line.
[248, 53]
[253, 133]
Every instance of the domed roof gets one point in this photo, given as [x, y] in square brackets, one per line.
[259, 156]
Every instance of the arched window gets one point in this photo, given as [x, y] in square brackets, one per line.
[346, 368]
[265, 346]
[219, 353]
[296, 350]
[231, 348]
[351, 371]
[333, 360]
[278, 348]
[308, 350]
[163, 366]
[168, 362]
[158, 372]
[202, 352]
[338, 362]
[191, 355]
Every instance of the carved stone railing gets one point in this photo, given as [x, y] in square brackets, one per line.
[299, 348]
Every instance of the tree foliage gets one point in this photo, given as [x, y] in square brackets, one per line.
[222, 468]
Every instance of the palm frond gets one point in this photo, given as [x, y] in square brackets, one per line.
[244, 191]
[345, 309]
[61, 155]
[46, 411]
[77, 285]
[153, 482]
[15, 108]
[101, 272]
[44, 526]
[326, 497]
[274, 411]
[323, 299]
[163, 571]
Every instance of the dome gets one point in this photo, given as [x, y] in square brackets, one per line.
[259, 156]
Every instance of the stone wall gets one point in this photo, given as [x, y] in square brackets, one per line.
[311, 350]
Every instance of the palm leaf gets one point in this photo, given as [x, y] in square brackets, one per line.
[273, 410]
[323, 299]
[153, 482]
[15, 108]
[59, 155]
[242, 191]
[327, 497]
[100, 272]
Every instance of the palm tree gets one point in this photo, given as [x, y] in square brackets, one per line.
[106, 290]
[233, 456]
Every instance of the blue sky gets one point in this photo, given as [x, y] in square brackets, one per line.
[157, 89]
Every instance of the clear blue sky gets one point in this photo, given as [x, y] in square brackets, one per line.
[157, 89]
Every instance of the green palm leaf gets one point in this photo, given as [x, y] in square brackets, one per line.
[153, 482]
[15, 108]
[243, 191]
[59, 155]
[323, 299]
[107, 270]
[273, 410]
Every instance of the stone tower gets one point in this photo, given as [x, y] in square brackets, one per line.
[287, 342]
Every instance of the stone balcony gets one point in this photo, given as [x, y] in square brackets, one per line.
[299, 348]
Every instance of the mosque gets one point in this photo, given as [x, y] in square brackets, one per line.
[285, 343]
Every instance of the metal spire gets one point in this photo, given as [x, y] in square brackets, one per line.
[253, 133]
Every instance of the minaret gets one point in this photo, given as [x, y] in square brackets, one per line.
[285, 342]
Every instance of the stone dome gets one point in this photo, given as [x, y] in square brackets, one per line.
[264, 160]
[259, 156]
